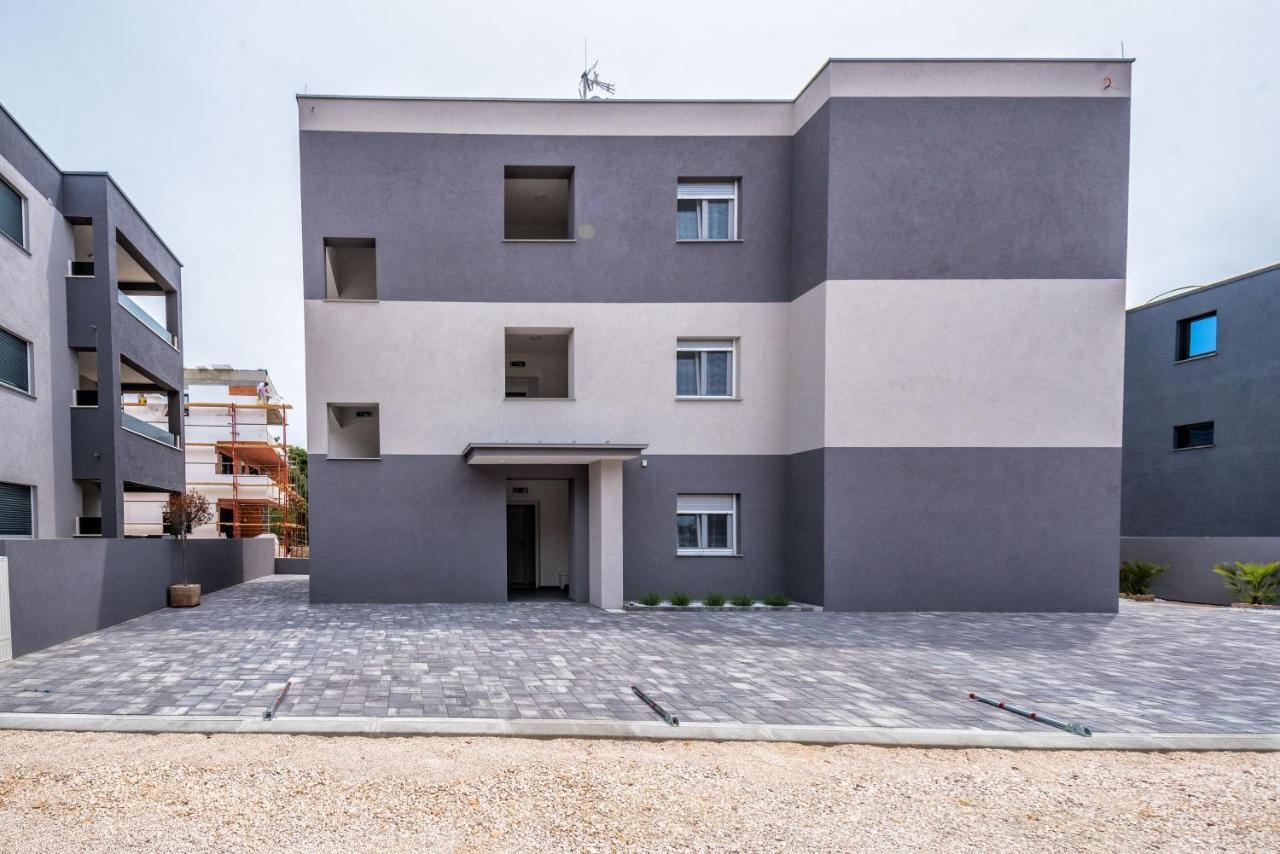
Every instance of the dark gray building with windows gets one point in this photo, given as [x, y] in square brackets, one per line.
[862, 347]
[90, 310]
[1201, 435]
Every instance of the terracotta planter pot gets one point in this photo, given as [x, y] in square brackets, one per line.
[1140, 597]
[184, 595]
[1255, 607]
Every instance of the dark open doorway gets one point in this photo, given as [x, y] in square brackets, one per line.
[522, 547]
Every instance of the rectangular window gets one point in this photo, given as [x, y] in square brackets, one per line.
[705, 367]
[1193, 435]
[17, 519]
[13, 215]
[706, 524]
[15, 361]
[1198, 336]
[707, 210]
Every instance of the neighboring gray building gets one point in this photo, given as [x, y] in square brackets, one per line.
[1201, 445]
[863, 347]
[89, 311]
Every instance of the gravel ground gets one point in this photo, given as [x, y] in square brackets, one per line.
[112, 792]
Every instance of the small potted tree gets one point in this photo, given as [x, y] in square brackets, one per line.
[1136, 577]
[183, 513]
[1256, 585]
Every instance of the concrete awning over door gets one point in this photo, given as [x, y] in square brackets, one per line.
[547, 453]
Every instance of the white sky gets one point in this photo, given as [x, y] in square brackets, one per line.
[190, 107]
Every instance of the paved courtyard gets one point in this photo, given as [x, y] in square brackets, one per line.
[1152, 668]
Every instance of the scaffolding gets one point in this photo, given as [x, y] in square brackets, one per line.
[242, 459]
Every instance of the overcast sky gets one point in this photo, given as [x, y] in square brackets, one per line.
[191, 108]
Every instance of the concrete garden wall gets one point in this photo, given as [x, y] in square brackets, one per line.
[1190, 577]
[64, 588]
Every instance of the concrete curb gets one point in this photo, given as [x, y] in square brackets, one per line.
[547, 728]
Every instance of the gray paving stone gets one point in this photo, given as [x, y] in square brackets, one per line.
[1150, 668]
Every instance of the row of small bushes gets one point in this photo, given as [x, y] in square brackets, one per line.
[1252, 583]
[715, 600]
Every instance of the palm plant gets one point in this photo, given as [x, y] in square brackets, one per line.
[1136, 576]
[1252, 583]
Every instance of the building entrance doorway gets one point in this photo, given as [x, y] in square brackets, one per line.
[522, 546]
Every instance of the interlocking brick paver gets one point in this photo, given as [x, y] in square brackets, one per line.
[1151, 667]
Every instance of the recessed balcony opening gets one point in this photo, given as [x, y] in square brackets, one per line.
[89, 520]
[350, 268]
[539, 363]
[142, 292]
[81, 264]
[147, 407]
[354, 431]
[144, 511]
[538, 203]
[86, 391]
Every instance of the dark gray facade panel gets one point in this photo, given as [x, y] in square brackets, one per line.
[805, 513]
[1233, 488]
[972, 529]
[434, 205]
[1190, 561]
[63, 588]
[810, 192]
[20, 150]
[958, 188]
[144, 348]
[406, 529]
[147, 462]
[649, 525]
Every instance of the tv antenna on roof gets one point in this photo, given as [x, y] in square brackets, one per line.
[590, 78]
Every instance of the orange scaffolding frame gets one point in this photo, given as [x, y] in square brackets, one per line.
[293, 534]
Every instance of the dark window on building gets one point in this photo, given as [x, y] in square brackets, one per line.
[538, 203]
[16, 517]
[1198, 336]
[1193, 435]
[15, 362]
[12, 216]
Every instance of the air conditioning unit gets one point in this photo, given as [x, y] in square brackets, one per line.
[88, 526]
[86, 397]
[80, 268]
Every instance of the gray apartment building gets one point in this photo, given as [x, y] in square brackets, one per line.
[1201, 447]
[90, 309]
[863, 347]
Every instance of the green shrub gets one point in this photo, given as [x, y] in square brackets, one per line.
[743, 601]
[713, 600]
[651, 599]
[1254, 583]
[1136, 576]
[776, 600]
[680, 599]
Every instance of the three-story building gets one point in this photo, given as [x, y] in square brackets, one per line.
[90, 310]
[863, 347]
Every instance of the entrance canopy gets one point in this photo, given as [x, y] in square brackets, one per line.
[543, 453]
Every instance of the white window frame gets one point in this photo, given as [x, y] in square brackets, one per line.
[29, 391]
[26, 225]
[707, 191]
[709, 345]
[702, 550]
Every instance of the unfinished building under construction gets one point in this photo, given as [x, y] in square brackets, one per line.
[237, 456]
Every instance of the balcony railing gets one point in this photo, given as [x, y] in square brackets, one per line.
[151, 431]
[150, 322]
